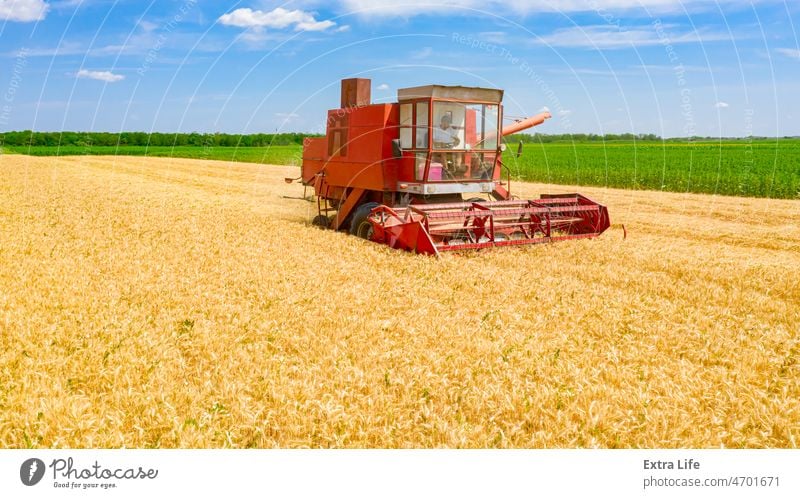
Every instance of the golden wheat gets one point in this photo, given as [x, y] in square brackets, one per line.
[181, 303]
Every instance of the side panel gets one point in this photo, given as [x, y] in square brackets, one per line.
[313, 158]
[359, 158]
[393, 169]
[405, 168]
[367, 176]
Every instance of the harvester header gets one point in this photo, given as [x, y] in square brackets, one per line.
[418, 174]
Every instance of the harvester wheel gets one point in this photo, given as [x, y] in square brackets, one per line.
[360, 225]
[321, 221]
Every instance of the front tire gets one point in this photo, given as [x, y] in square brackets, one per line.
[359, 224]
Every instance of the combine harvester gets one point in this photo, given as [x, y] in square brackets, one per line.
[406, 174]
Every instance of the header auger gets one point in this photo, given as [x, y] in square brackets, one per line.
[407, 174]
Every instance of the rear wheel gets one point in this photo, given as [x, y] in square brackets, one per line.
[360, 225]
[321, 221]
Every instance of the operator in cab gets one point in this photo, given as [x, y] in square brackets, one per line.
[445, 136]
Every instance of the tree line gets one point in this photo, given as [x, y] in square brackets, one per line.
[88, 139]
[610, 137]
[579, 137]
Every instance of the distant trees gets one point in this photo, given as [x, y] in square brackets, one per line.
[579, 137]
[86, 139]
[139, 138]
[621, 137]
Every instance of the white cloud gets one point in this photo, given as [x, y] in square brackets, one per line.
[69, 4]
[23, 10]
[147, 26]
[287, 116]
[314, 26]
[609, 37]
[106, 76]
[498, 37]
[382, 86]
[665, 68]
[278, 18]
[422, 53]
[409, 8]
[254, 36]
[789, 52]
[721, 105]
[610, 73]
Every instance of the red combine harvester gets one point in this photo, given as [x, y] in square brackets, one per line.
[406, 174]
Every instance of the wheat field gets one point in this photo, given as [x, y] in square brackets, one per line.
[159, 303]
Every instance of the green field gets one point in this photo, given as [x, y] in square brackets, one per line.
[761, 168]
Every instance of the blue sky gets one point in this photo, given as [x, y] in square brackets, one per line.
[712, 68]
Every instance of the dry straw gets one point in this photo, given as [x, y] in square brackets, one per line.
[180, 303]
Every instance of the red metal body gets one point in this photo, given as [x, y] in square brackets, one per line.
[399, 174]
[429, 229]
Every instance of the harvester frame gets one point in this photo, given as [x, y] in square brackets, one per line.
[399, 173]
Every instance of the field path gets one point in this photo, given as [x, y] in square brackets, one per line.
[159, 302]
